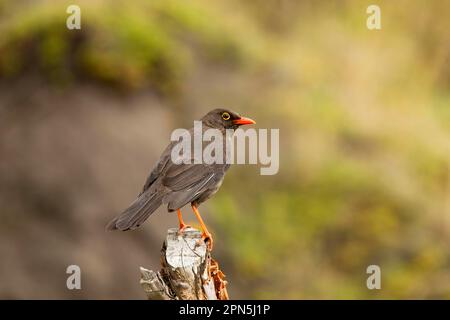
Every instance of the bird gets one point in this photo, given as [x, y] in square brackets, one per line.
[179, 184]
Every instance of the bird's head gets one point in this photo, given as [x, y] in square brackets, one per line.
[227, 119]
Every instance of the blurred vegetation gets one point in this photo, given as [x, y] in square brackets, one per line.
[129, 45]
[364, 120]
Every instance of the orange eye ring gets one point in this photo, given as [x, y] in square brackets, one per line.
[226, 116]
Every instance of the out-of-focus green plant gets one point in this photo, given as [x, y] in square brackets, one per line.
[126, 44]
[364, 123]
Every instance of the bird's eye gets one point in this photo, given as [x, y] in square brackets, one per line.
[226, 116]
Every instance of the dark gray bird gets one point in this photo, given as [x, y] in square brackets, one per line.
[179, 184]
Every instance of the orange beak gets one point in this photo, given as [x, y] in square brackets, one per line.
[243, 120]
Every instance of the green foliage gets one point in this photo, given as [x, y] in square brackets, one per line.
[363, 117]
[364, 174]
[125, 44]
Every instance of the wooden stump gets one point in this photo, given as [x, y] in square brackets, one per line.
[188, 272]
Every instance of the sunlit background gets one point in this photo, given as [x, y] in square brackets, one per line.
[364, 119]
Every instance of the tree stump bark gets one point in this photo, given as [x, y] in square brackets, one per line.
[188, 272]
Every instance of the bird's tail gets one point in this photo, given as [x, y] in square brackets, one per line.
[137, 212]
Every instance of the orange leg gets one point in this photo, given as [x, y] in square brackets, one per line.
[182, 224]
[206, 234]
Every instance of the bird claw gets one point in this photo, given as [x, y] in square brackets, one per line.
[207, 237]
[183, 227]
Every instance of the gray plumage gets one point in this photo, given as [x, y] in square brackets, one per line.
[178, 184]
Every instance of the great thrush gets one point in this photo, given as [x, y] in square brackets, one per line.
[179, 184]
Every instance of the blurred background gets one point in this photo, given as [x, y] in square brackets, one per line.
[364, 119]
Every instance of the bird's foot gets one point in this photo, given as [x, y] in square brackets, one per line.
[207, 238]
[183, 227]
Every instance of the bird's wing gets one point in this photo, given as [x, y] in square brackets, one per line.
[187, 182]
[187, 176]
[164, 162]
[158, 168]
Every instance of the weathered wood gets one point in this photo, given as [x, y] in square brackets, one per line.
[188, 272]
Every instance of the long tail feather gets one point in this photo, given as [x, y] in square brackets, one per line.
[137, 212]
